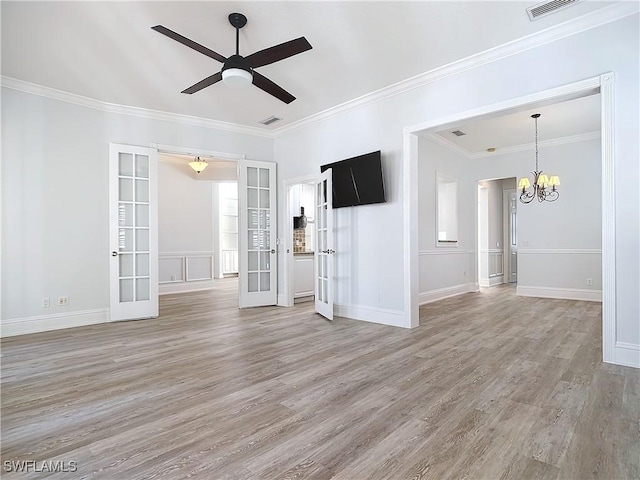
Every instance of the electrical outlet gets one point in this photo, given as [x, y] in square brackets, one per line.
[173, 278]
[589, 282]
[62, 301]
[45, 302]
[379, 296]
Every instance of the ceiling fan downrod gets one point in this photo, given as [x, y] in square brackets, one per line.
[237, 20]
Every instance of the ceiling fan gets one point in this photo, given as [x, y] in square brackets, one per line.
[239, 70]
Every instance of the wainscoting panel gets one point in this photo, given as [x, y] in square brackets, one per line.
[199, 268]
[181, 272]
[491, 271]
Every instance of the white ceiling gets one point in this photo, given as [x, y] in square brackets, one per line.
[107, 50]
[571, 118]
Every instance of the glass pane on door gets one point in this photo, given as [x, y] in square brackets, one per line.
[323, 258]
[259, 225]
[133, 232]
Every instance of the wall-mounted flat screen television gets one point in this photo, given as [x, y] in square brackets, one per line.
[357, 180]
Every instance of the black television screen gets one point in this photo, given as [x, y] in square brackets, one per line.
[357, 180]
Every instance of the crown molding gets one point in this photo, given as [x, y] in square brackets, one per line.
[583, 137]
[568, 28]
[448, 144]
[557, 32]
[48, 92]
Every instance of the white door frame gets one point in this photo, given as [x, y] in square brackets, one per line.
[604, 84]
[507, 258]
[287, 299]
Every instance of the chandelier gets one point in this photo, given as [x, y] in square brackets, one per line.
[198, 164]
[544, 188]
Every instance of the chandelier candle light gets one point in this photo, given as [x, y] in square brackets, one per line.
[198, 164]
[544, 188]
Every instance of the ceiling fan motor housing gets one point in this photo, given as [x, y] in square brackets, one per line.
[236, 61]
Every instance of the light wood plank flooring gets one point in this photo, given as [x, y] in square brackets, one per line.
[491, 386]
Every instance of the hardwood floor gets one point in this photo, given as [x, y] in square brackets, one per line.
[490, 386]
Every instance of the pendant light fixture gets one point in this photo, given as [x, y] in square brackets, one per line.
[544, 188]
[198, 164]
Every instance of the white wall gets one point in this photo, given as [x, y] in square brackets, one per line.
[370, 239]
[185, 210]
[443, 270]
[55, 197]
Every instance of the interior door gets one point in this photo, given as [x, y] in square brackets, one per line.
[324, 252]
[257, 258]
[133, 232]
[513, 237]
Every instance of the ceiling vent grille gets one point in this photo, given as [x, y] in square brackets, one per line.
[546, 8]
[458, 133]
[270, 120]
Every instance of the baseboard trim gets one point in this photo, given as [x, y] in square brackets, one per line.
[627, 354]
[186, 287]
[307, 298]
[304, 294]
[442, 293]
[561, 293]
[44, 323]
[490, 282]
[394, 318]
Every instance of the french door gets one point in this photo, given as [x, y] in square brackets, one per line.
[257, 257]
[324, 252]
[133, 232]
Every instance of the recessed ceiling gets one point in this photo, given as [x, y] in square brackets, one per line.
[107, 50]
[577, 117]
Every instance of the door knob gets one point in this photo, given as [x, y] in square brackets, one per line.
[273, 251]
[114, 254]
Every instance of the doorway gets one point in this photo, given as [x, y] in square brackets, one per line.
[496, 232]
[197, 223]
[603, 85]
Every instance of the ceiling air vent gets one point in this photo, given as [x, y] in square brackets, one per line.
[546, 8]
[270, 120]
[458, 133]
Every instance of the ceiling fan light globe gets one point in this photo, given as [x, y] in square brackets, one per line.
[237, 77]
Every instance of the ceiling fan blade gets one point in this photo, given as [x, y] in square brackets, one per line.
[189, 43]
[278, 52]
[271, 88]
[203, 83]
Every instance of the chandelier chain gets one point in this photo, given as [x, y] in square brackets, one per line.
[536, 119]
